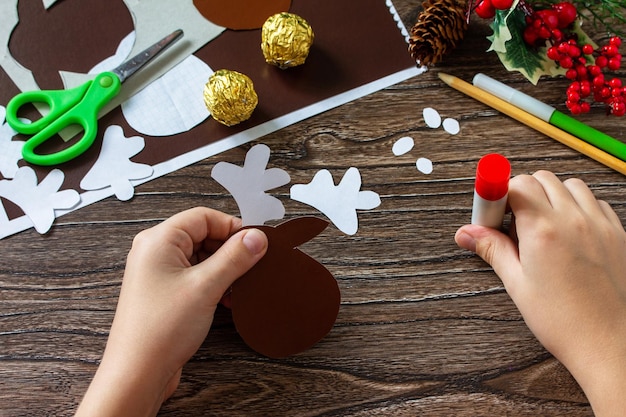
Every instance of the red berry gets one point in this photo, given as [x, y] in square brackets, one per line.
[610, 50]
[585, 88]
[575, 108]
[573, 51]
[618, 108]
[566, 62]
[585, 107]
[571, 74]
[544, 32]
[566, 13]
[594, 70]
[485, 9]
[602, 61]
[548, 17]
[615, 83]
[615, 63]
[605, 92]
[530, 36]
[615, 41]
[552, 53]
[587, 49]
[573, 97]
[598, 81]
[502, 4]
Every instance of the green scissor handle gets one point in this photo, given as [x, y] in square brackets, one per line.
[77, 106]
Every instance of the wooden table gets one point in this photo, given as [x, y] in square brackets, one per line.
[424, 327]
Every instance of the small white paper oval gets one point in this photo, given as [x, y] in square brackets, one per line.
[402, 146]
[431, 117]
[451, 126]
[424, 165]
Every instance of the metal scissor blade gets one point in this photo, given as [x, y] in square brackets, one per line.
[128, 68]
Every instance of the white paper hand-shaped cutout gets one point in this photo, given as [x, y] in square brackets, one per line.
[247, 185]
[10, 150]
[114, 167]
[339, 203]
[38, 202]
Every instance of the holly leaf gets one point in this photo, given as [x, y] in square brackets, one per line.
[508, 43]
[501, 33]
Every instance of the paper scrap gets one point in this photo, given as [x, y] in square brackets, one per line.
[431, 117]
[403, 145]
[171, 104]
[10, 150]
[339, 203]
[248, 184]
[451, 126]
[38, 201]
[424, 165]
[114, 167]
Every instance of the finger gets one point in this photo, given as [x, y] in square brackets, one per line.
[584, 197]
[233, 259]
[495, 248]
[555, 191]
[610, 214]
[527, 194]
[191, 228]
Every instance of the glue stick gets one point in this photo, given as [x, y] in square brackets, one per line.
[491, 190]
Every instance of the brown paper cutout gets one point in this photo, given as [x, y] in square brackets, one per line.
[240, 14]
[288, 301]
[68, 36]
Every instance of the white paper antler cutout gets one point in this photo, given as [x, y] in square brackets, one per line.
[114, 167]
[248, 184]
[10, 150]
[38, 201]
[339, 203]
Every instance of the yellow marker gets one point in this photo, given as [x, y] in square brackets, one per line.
[534, 122]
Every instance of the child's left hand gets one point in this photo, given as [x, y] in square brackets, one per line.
[175, 276]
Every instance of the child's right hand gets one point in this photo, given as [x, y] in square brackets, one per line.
[564, 266]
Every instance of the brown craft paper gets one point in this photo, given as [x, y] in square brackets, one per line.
[240, 14]
[288, 301]
[356, 43]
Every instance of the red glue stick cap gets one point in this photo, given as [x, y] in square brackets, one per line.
[492, 176]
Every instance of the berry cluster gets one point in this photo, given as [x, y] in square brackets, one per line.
[549, 24]
[589, 79]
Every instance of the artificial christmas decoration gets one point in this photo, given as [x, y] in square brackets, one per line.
[440, 27]
[546, 39]
[536, 38]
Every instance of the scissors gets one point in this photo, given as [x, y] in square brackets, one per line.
[77, 106]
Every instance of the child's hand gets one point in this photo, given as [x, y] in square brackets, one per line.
[175, 276]
[564, 266]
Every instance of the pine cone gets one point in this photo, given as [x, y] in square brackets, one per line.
[440, 27]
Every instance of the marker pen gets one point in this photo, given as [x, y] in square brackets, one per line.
[491, 190]
[551, 115]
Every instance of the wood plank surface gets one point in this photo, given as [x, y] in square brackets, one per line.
[424, 327]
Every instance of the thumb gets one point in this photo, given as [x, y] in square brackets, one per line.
[493, 246]
[233, 259]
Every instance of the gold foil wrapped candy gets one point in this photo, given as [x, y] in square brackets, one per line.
[230, 97]
[286, 39]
